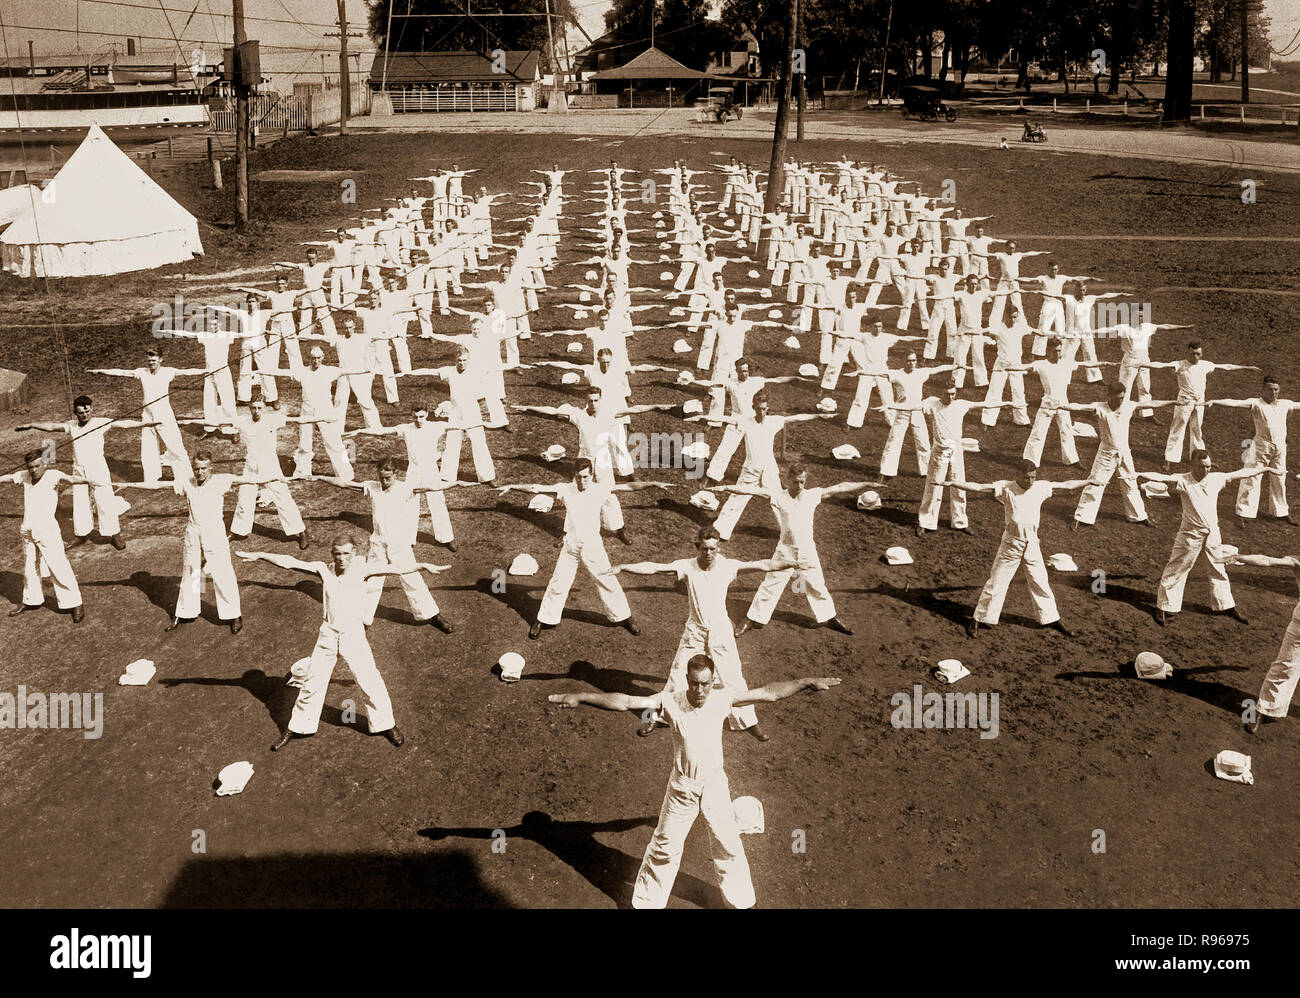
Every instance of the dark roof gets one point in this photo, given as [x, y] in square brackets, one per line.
[453, 67]
[652, 64]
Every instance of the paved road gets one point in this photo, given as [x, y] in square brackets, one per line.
[1181, 145]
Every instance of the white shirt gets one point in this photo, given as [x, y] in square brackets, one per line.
[582, 511]
[155, 386]
[1022, 507]
[394, 512]
[40, 499]
[595, 431]
[706, 594]
[316, 385]
[1055, 379]
[1270, 421]
[1191, 380]
[207, 506]
[344, 596]
[464, 389]
[760, 439]
[697, 732]
[356, 352]
[88, 447]
[1010, 342]
[422, 447]
[1200, 503]
[259, 437]
[910, 384]
[1113, 425]
[946, 419]
[794, 514]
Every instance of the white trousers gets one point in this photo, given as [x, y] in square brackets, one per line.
[199, 559]
[352, 645]
[903, 421]
[683, 801]
[1043, 420]
[278, 492]
[972, 347]
[810, 581]
[1012, 553]
[721, 647]
[1280, 680]
[484, 469]
[862, 397]
[423, 605]
[332, 439]
[163, 443]
[1187, 551]
[942, 316]
[89, 503]
[1104, 466]
[946, 462]
[1185, 421]
[998, 382]
[593, 557]
[218, 399]
[44, 549]
[731, 438]
[1271, 482]
[358, 385]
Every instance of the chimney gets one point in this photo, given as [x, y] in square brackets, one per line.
[31, 56]
[130, 46]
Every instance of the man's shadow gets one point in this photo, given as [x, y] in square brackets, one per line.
[609, 870]
[605, 680]
[272, 691]
[1214, 693]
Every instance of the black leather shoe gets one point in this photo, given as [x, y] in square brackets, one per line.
[437, 621]
[176, 622]
[117, 542]
[450, 546]
[236, 625]
[1236, 615]
[23, 608]
[535, 631]
[302, 541]
[631, 627]
[973, 629]
[759, 733]
[78, 614]
[1057, 625]
[1161, 618]
[285, 739]
[621, 534]
[647, 729]
[835, 624]
[394, 735]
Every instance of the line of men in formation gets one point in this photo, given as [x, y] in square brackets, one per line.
[869, 227]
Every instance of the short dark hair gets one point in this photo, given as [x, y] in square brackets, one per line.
[709, 533]
[343, 537]
[582, 464]
[1199, 453]
[82, 400]
[203, 455]
[760, 395]
[1193, 344]
[698, 663]
[153, 352]
[1268, 380]
[1028, 465]
[386, 464]
[33, 455]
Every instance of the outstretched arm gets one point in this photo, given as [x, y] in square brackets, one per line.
[849, 488]
[772, 692]
[605, 701]
[341, 483]
[970, 487]
[278, 560]
[642, 568]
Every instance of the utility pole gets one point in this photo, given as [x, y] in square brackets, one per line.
[776, 168]
[803, 73]
[242, 123]
[884, 53]
[559, 100]
[345, 75]
[1245, 55]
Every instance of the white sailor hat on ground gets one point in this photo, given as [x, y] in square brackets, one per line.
[950, 670]
[665, 276]
[898, 556]
[575, 346]
[541, 503]
[1155, 490]
[584, 296]
[138, 673]
[580, 313]
[1062, 562]
[807, 370]
[730, 223]
[748, 812]
[569, 378]
[590, 275]
[775, 313]
[1149, 665]
[791, 342]
[1234, 766]
[845, 452]
[753, 274]
[554, 452]
[765, 292]
[524, 564]
[685, 377]
[664, 245]
[692, 407]
[512, 667]
[970, 444]
[681, 346]
[1084, 430]
[234, 778]
[826, 405]
[869, 500]
[705, 500]
[698, 450]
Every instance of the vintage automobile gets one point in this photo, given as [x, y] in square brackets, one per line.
[720, 106]
[925, 104]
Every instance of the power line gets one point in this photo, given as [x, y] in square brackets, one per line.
[173, 10]
[153, 38]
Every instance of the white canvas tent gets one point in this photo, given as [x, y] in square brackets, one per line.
[17, 201]
[101, 214]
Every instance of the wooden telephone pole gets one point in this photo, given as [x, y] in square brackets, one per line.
[345, 72]
[242, 122]
[1245, 53]
[803, 73]
[776, 168]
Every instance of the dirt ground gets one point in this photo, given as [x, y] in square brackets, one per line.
[890, 818]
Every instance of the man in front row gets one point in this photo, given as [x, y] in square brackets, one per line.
[698, 783]
[345, 596]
